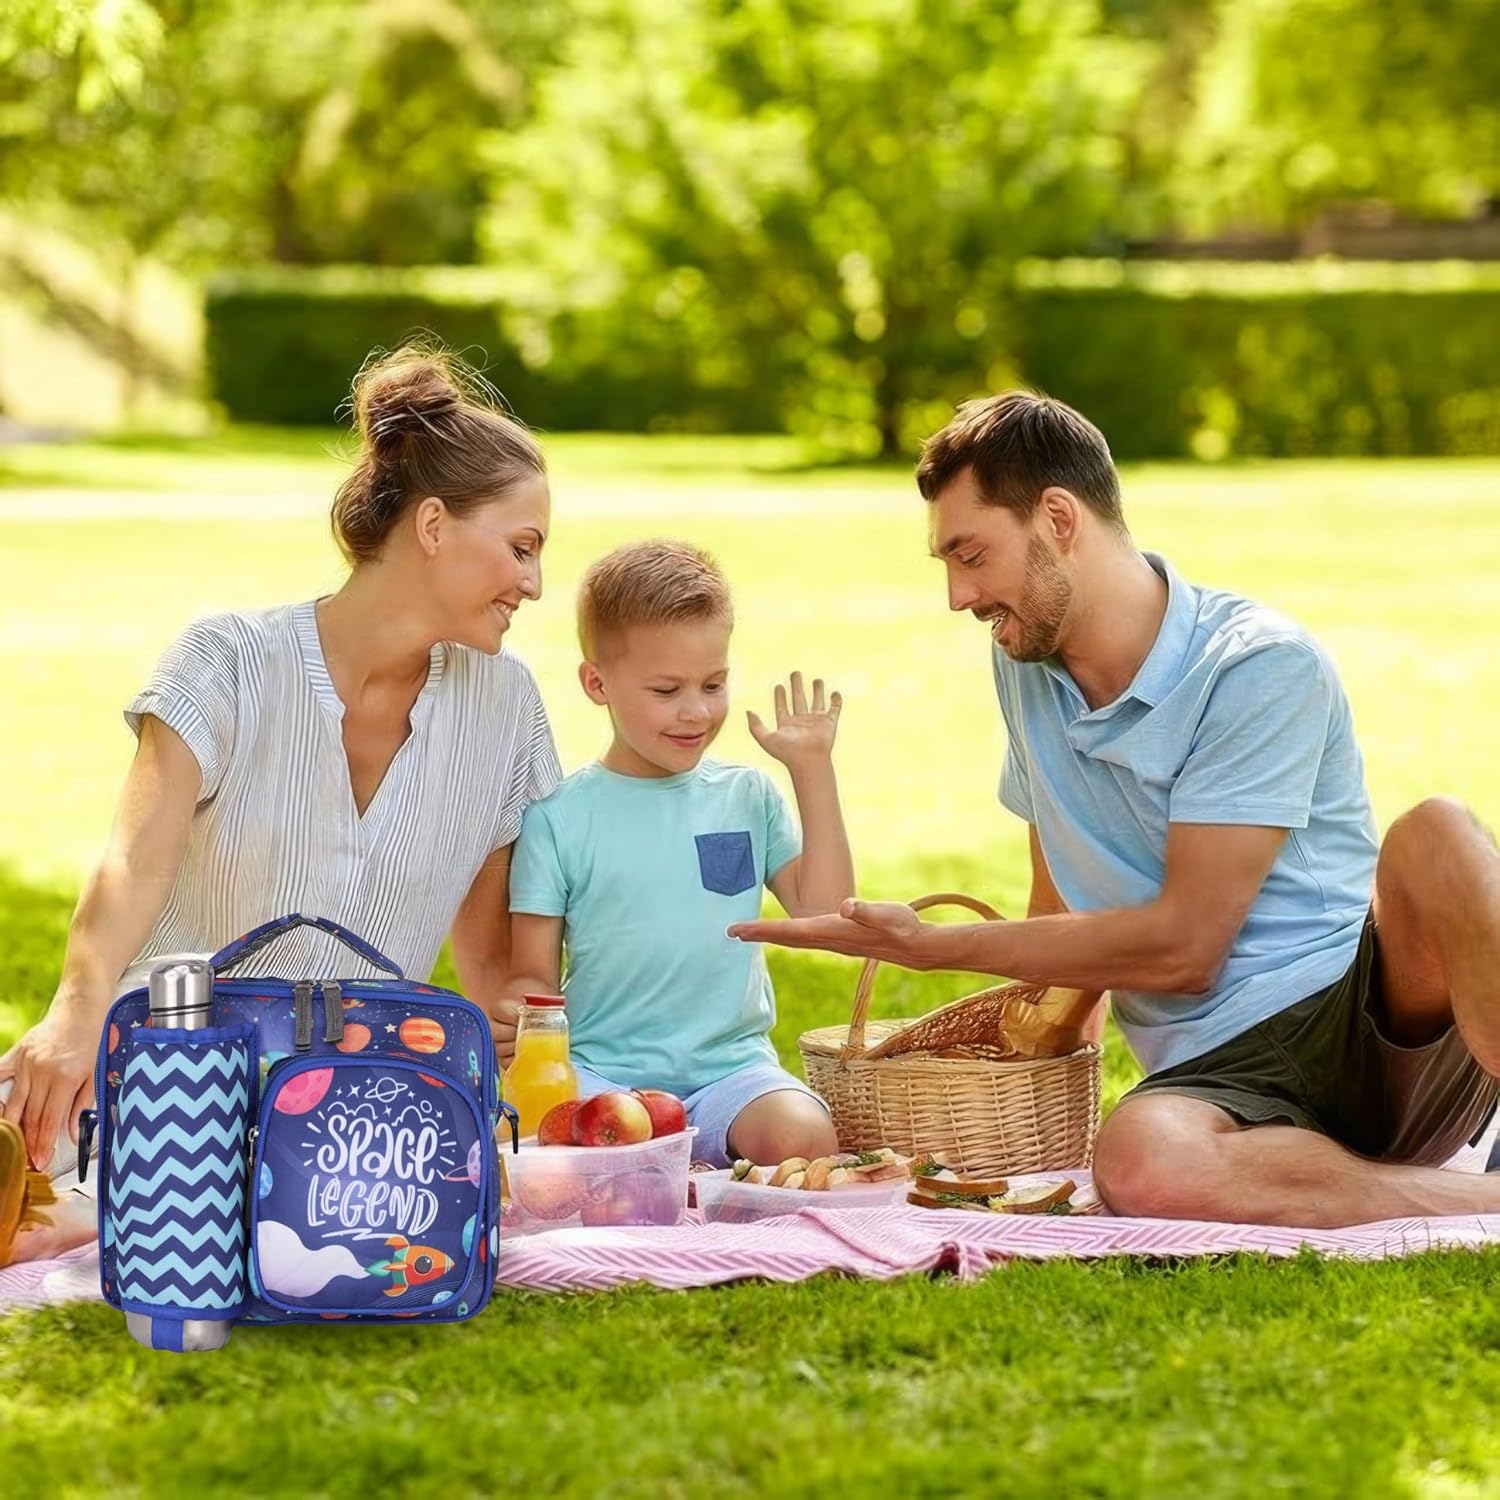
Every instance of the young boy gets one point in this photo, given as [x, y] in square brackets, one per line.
[638, 863]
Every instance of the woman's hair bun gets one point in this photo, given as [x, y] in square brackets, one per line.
[429, 424]
[401, 396]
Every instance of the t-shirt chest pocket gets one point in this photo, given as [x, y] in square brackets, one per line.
[726, 862]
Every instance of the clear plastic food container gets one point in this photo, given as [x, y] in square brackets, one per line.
[722, 1200]
[562, 1187]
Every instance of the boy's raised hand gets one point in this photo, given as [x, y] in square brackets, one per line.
[804, 732]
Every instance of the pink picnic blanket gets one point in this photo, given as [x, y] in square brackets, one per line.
[879, 1243]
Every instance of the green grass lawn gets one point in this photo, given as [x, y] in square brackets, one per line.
[1229, 1378]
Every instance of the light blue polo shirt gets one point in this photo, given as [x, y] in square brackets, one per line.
[1236, 716]
[646, 873]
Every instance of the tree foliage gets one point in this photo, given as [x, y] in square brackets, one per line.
[828, 194]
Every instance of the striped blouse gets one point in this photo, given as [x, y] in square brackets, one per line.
[276, 829]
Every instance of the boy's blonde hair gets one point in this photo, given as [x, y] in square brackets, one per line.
[648, 583]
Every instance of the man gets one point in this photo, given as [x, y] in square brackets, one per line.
[1202, 847]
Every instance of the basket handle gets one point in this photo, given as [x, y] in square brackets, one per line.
[854, 1046]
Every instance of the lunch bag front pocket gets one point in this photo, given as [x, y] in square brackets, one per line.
[371, 1188]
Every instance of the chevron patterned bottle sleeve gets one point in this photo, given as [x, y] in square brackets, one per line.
[177, 1172]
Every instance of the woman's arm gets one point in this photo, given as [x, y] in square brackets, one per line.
[52, 1064]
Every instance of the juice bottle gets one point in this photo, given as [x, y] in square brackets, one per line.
[540, 1074]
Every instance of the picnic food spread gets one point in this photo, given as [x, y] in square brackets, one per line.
[936, 1187]
[825, 1173]
[877, 1178]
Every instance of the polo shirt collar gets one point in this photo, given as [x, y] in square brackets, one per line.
[1162, 668]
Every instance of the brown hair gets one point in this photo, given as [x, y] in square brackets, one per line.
[649, 583]
[429, 424]
[1019, 443]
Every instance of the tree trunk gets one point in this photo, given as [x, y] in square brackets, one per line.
[888, 395]
[130, 349]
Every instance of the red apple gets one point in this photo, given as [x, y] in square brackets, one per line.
[556, 1128]
[615, 1119]
[653, 1196]
[668, 1115]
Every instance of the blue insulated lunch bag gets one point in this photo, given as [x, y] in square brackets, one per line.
[322, 1149]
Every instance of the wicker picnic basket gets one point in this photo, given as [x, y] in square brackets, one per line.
[952, 1085]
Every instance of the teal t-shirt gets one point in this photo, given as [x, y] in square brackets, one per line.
[646, 874]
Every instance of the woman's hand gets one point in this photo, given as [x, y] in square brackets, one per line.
[52, 1068]
[804, 733]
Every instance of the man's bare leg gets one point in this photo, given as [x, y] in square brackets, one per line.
[1437, 923]
[1437, 926]
[1169, 1156]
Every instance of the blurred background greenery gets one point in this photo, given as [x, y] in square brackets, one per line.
[1222, 227]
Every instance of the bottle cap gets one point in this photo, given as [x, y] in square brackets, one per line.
[546, 1002]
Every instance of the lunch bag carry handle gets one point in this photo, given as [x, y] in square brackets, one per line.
[253, 941]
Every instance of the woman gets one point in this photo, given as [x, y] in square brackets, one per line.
[365, 756]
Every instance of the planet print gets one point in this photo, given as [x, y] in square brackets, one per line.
[469, 1172]
[114, 1036]
[302, 1091]
[264, 1189]
[356, 1037]
[438, 1298]
[422, 1034]
[468, 1235]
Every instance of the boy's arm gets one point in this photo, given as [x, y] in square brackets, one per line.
[822, 876]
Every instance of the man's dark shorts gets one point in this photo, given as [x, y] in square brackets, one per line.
[1325, 1064]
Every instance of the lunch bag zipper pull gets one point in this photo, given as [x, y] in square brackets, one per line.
[333, 1011]
[510, 1116]
[251, 1136]
[302, 1014]
[87, 1120]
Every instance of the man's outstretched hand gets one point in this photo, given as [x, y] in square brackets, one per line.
[888, 930]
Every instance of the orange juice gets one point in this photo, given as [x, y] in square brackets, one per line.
[540, 1075]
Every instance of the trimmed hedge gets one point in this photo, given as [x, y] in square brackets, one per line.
[284, 343]
[1276, 360]
[1170, 359]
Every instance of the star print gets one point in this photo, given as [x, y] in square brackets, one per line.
[389, 1026]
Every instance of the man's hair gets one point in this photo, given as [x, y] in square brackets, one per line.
[1018, 443]
[648, 583]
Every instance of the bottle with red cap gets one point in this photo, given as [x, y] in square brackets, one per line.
[541, 1074]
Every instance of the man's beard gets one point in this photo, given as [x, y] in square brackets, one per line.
[1043, 606]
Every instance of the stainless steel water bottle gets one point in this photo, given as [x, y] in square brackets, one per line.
[181, 993]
